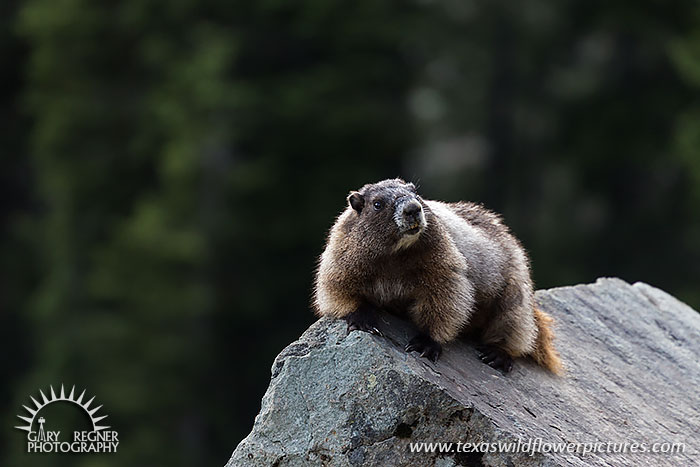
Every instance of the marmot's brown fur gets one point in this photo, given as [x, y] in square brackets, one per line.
[451, 267]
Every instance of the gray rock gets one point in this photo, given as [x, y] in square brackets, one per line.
[631, 353]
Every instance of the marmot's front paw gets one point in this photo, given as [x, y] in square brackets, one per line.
[427, 347]
[363, 319]
[495, 357]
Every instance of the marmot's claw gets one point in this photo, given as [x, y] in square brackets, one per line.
[427, 347]
[363, 320]
[495, 358]
[369, 329]
[361, 327]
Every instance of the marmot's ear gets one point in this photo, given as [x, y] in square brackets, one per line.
[411, 187]
[357, 201]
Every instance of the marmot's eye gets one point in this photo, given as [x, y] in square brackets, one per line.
[378, 205]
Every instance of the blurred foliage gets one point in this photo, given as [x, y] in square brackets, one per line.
[170, 170]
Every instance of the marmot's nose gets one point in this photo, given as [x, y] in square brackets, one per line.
[412, 208]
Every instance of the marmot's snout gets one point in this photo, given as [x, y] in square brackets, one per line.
[409, 216]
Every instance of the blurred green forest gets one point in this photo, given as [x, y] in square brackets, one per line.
[170, 170]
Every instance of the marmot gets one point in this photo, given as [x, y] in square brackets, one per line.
[451, 267]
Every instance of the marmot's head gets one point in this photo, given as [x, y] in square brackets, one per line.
[391, 212]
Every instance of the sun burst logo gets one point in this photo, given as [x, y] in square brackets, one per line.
[92, 413]
[100, 439]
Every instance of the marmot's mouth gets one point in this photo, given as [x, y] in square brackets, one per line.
[412, 229]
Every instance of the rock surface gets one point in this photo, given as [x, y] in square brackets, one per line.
[632, 354]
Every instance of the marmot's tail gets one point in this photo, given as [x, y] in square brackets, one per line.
[545, 354]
